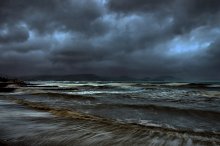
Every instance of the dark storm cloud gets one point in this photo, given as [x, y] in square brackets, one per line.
[110, 37]
[138, 5]
[13, 34]
[187, 14]
[213, 55]
[195, 7]
[49, 15]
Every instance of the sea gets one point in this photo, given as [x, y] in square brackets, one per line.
[85, 113]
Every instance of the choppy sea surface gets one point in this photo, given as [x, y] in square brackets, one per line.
[111, 113]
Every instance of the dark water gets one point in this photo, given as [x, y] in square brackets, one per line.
[111, 113]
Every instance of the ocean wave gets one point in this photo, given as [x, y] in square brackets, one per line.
[70, 113]
[160, 108]
[64, 95]
[120, 131]
[179, 85]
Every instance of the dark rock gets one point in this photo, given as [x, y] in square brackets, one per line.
[9, 85]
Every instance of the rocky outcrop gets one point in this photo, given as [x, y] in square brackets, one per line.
[9, 85]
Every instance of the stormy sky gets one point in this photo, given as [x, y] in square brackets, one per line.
[140, 38]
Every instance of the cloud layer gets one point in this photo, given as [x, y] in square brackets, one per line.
[111, 37]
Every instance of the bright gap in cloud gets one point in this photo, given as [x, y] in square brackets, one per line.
[178, 46]
[60, 36]
[197, 42]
